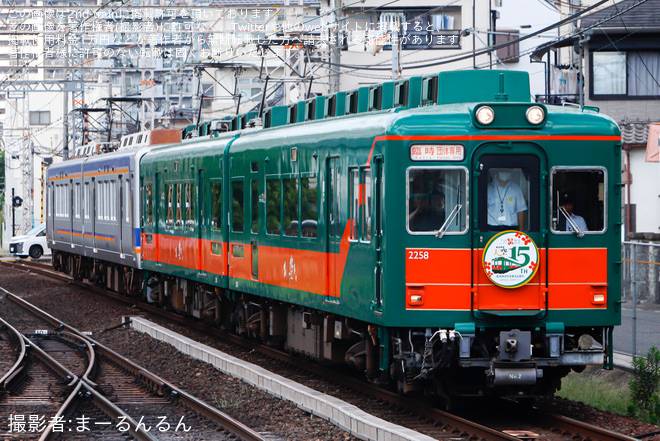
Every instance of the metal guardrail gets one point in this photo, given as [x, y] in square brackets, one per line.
[640, 276]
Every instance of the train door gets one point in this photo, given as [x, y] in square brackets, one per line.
[94, 213]
[158, 199]
[509, 273]
[199, 227]
[120, 212]
[126, 215]
[375, 226]
[334, 232]
[77, 224]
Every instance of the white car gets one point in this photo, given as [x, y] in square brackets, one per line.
[32, 244]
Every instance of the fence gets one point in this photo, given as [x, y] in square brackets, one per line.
[640, 295]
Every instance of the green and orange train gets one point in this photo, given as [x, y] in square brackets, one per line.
[365, 228]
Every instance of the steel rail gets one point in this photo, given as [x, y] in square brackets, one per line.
[157, 383]
[13, 373]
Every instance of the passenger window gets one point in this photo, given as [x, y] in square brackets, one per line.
[169, 189]
[436, 199]
[354, 185]
[255, 205]
[366, 207]
[190, 206]
[237, 213]
[274, 206]
[309, 201]
[179, 205]
[578, 200]
[290, 199]
[148, 202]
[216, 205]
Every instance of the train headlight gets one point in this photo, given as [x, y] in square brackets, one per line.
[485, 115]
[535, 115]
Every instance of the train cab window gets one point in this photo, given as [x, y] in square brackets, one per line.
[506, 197]
[436, 200]
[578, 200]
[238, 207]
[179, 205]
[216, 205]
[309, 203]
[274, 206]
[290, 203]
[149, 204]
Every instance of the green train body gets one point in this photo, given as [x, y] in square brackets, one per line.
[368, 237]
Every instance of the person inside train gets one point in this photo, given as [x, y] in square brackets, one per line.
[427, 211]
[506, 202]
[567, 202]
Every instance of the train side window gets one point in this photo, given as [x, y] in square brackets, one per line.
[149, 204]
[437, 195]
[354, 186]
[76, 200]
[334, 196]
[309, 202]
[255, 205]
[290, 203]
[216, 205]
[87, 198]
[274, 206]
[366, 206]
[190, 206]
[169, 189]
[127, 199]
[238, 208]
[578, 200]
[179, 205]
[100, 194]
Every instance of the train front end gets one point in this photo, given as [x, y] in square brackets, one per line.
[511, 251]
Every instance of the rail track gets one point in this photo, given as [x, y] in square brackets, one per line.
[98, 394]
[415, 412]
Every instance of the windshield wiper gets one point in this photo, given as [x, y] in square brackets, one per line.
[577, 230]
[450, 218]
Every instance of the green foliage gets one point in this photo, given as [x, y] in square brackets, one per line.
[644, 386]
[606, 390]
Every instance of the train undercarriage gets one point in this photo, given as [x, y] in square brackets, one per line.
[443, 362]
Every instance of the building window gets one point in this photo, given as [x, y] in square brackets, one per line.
[625, 75]
[40, 118]
[609, 73]
[510, 53]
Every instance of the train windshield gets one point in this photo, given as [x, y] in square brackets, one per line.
[578, 200]
[436, 199]
[509, 196]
